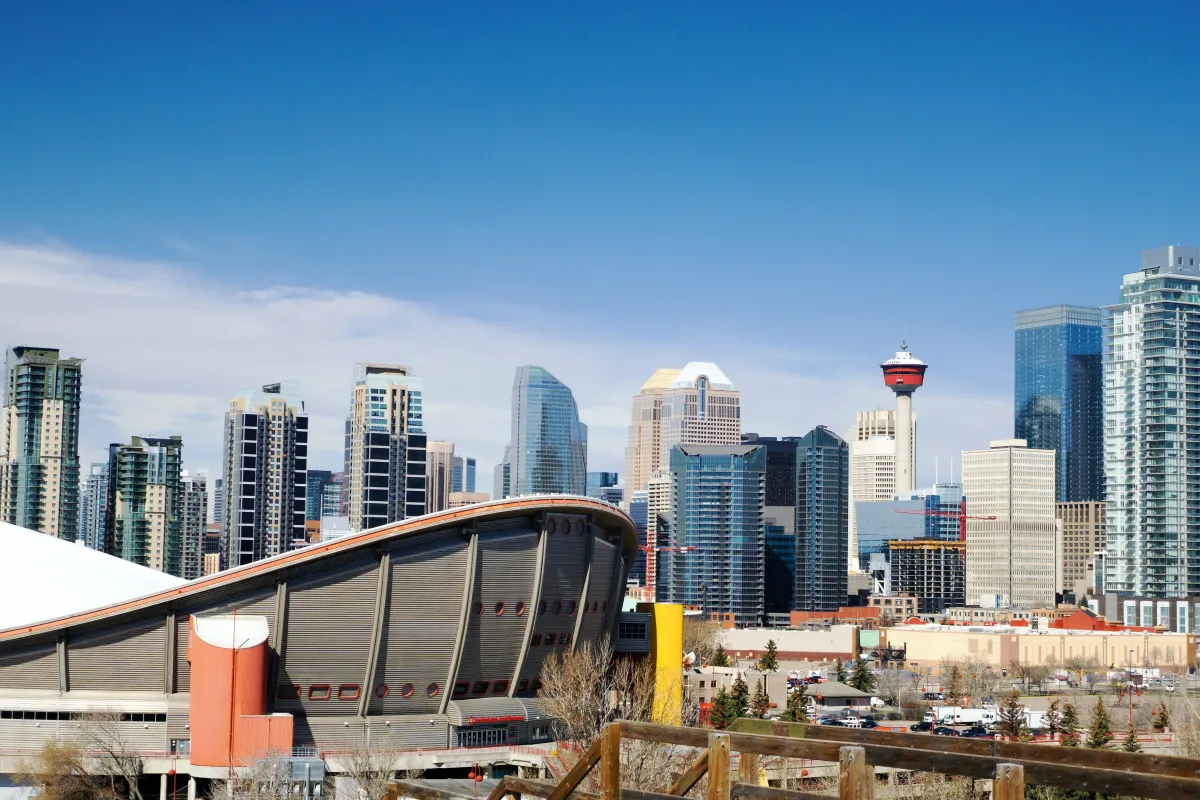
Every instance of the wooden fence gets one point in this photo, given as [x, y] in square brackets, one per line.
[1010, 766]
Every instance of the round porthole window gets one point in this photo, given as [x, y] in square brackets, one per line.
[407, 690]
[520, 609]
[477, 607]
[381, 691]
[541, 608]
[431, 689]
[572, 607]
[498, 609]
[556, 607]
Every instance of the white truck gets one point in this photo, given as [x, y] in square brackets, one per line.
[957, 715]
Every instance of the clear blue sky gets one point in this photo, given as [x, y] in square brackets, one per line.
[843, 167]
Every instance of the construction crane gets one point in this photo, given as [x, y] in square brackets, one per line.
[652, 564]
[961, 515]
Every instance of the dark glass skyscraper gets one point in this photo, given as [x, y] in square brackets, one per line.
[1059, 401]
[822, 533]
[719, 495]
[549, 443]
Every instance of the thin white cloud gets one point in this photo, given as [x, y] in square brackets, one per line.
[166, 348]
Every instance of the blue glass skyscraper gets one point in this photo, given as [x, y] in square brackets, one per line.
[549, 443]
[719, 497]
[822, 523]
[1059, 401]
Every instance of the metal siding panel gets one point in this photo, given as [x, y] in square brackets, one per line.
[329, 626]
[183, 667]
[259, 601]
[503, 574]
[562, 581]
[419, 626]
[604, 562]
[404, 733]
[461, 710]
[138, 649]
[30, 667]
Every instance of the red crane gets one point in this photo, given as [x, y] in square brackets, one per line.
[961, 514]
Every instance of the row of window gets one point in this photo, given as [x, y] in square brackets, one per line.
[549, 639]
[66, 716]
[565, 526]
[346, 691]
[553, 606]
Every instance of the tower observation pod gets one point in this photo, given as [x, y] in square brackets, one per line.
[904, 374]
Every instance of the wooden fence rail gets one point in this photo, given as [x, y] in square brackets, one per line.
[1010, 766]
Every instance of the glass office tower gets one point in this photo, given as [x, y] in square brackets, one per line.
[822, 524]
[1059, 395]
[549, 443]
[719, 498]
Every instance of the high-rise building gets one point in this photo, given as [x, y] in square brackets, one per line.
[613, 495]
[1059, 403]
[333, 496]
[643, 456]
[314, 501]
[638, 512]
[460, 499]
[718, 496]
[822, 539]
[502, 476]
[439, 471]
[218, 501]
[699, 406]
[1151, 419]
[265, 474]
[1010, 530]
[931, 514]
[779, 570]
[659, 506]
[549, 443]
[600, 480]
[193, 525]
[39, 441]
[95, 506]
[872, 467]
[386, 466]
[1080, 535]
[462, 475]
[145, 503]
[931, 569]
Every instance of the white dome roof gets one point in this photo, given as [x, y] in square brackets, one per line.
[44, 578]
[694, 369]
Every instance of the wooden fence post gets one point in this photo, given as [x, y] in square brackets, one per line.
[610, 763]
[718, 766]
[856, 777]
[1009, 783]
[750, 770]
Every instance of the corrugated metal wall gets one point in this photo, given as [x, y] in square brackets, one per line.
[129, 657]
[605, 560]
[335, 735]
[258, 601]
[503, 574]
[419, 627]
[562, 585]
[30, 667]
[329, 627]
[183, 667]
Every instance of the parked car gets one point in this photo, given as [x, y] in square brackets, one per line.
[935, 695]
[867, 722]
[829, 721]
[851, 722]
[921, 727]
[942, 730]
[976, 732]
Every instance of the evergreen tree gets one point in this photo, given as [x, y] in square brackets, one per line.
[1100, 730]
[861, 677]
[1053, 719]
[718, 712]
[1130, 745]
[1011, 723]
[739, 699]
[797, 708]
[761, 703]
[770, 660]
[839, 671]
[720, 657]
[1162, 720]
[1070, 727]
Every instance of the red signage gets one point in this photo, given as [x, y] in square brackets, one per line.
[483, 720]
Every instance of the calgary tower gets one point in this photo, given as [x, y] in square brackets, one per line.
[904, 374]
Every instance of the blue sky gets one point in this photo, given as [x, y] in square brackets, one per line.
[789, 182]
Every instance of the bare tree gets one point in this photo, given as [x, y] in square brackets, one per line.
[60, 772]
[268, 778]
[701, 636]
[110, 754]
[369, 768]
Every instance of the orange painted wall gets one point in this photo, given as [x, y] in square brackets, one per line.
[228, 698]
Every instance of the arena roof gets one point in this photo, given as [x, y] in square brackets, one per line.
[43, 577]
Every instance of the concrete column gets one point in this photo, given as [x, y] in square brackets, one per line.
[162, 787]
[191, 788]
[904, 448]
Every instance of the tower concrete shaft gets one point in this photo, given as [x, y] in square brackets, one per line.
[904, 374]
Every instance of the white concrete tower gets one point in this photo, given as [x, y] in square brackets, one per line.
[904, 374]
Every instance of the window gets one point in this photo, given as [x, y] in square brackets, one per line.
[319, 691]
[632, 630]
[480, 687]
[564, 638]
[432, 689]
[349, 691]
[572, 607]
[523, 686]
[498, 609]
[500, 687]
[287, 692]
[461, 688]
[556, 607]
[520, 609]
[541, 608]
[407, 690]
[477, 607]
[535, 640]
[381, 691]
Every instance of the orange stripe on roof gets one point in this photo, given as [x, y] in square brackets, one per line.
[308, 553]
